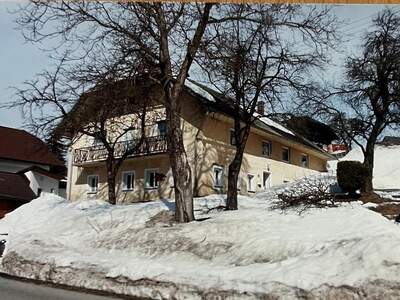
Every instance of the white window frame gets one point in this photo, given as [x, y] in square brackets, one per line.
[289, 154]
[308, 160]
[221, 168]
[252, 183]
[124, 185]
[270, 148]
[153, 170]
[91, 190]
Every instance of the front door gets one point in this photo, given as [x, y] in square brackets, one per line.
[266, 180]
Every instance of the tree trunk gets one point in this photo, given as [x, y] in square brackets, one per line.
[181, 171]
[233, 175]
[234, 170]
[112, 198]
[369, 159]
[369, 164]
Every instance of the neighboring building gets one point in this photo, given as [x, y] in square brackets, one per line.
[390, 141]
[336, 149]
[273, 154]
[27, 168]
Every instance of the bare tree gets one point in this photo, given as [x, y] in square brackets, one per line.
[254, 54]
[368, 101]
[57, 108]
[152, 32]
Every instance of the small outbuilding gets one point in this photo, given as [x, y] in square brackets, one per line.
[27, 168]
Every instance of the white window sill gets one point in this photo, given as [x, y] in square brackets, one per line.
[151, 188]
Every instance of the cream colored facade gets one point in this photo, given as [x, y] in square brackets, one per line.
[207, 143]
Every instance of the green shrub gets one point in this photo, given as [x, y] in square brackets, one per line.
[351, 175]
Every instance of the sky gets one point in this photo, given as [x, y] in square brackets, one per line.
[20, 61]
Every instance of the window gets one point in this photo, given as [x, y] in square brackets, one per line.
[218, 173]
[286, 154]
[128, 179]
[250, 183]
[232, 137]
[266, 180]
[304, 160]
[162, 127]
[151, 179]
[93, 183]
[266, 148]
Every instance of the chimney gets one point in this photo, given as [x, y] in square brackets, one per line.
[261, 108]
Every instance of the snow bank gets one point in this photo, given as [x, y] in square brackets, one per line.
[252, 252]
[386, 165]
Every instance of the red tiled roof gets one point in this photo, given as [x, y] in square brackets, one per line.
[16, 187]
[16, 144]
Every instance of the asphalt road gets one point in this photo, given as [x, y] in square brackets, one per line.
[11, 289]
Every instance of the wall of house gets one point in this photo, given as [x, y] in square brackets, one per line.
[207, 143]
[13, 166]
[40, 181]
[193, 117]
[138, 165]
[214, 149]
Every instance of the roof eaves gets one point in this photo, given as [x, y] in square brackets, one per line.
[258, 123]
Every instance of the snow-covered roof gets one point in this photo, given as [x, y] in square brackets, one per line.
[211, 95]
[267, 124]
[199, 90]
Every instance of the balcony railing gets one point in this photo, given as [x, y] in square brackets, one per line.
[151, 145]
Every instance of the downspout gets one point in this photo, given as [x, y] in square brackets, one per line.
[69, 173]
[196, 179]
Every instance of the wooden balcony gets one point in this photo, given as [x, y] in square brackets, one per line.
[97, 153]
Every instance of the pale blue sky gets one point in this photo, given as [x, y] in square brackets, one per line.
[20, 61]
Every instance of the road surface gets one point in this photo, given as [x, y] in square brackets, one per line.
[11, 289]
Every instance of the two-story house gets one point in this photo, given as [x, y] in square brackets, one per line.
[273, 154]
[27, 168]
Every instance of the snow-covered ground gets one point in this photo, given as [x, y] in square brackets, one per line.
[252, 252]
[386, 166]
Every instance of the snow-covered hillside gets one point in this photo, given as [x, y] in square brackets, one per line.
[386, 168]
[252, 252]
